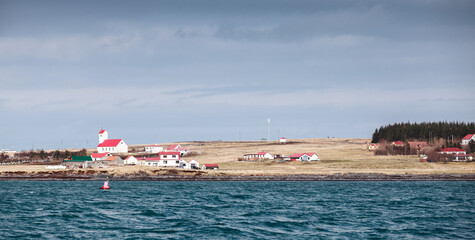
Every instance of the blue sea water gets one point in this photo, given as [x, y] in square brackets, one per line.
[237, 210]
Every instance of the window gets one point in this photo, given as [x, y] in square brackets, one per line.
[177, 161]
[164, 162]
[173, 156]
[164, 156]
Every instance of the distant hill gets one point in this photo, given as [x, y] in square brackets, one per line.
[423, 131]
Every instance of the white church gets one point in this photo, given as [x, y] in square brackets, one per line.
[111, 145]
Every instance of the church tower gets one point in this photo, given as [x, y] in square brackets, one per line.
[103, 135]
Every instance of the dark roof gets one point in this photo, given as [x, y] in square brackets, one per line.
[79, 159]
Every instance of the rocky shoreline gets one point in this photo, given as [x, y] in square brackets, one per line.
[92, 175]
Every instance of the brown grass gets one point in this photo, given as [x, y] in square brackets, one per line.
[338, 156]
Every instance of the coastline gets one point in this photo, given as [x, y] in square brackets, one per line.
[140, 176]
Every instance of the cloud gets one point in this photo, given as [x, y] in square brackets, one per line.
[138, 99]
[65, 47]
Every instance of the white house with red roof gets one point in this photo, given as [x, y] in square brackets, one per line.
[100, 156]
[164, 159]
[452, 151]
[466, 140]
[283, 140]
[154, 148]
[111, 145]
[304, 157]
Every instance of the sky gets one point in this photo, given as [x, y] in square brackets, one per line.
[166, 71]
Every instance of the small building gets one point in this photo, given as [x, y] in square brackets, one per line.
[210, 166]
[283, 140]
[78, 161]
[452, 151]
[313, 157]
[304, 157]
[193, 164]
[114, 161]
[100, 156]
[373, 146]
[130, 160]
[153, 148]
[466, 140]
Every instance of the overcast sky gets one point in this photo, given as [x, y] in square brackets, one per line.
[164, 71]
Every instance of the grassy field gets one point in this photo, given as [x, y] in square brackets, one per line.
[337, 155]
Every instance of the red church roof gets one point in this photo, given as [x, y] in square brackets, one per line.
[102, 131]
[110, 143]
[211, 165]
[469, 136]
[261, 153]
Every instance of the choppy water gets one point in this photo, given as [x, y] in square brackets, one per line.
[238, 210]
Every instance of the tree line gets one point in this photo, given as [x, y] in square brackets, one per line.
[43, 155]
[424, 131]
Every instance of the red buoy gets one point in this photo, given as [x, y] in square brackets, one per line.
[106, 185]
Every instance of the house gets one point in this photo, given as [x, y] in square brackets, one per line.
[114, 161]
[78, 161]
[304, 157]
[373, 146]
[210, 166]
[398, 144]
[452, 151]
[111, 145]
[466, 140]
[164, 159]
[417, 145]
[313, 157]
[130, 160]
[258, 156]
[153, 148]
[193, 164]
[283, 140]
[100, 156]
